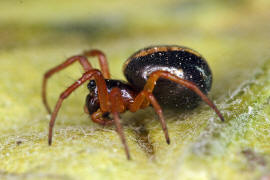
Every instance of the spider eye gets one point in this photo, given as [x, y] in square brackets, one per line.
[92, 85]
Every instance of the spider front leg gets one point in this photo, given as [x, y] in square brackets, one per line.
[116, 108]
[102, 95]
[98, 117]
[84, 63]
[102, 61]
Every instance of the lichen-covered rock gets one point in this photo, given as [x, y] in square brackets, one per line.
[232, 36]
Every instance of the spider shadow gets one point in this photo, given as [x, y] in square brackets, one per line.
[139, 123]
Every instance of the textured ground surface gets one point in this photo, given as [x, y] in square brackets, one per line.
[37, 35]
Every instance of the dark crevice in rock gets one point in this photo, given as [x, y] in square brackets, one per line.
[142, 137]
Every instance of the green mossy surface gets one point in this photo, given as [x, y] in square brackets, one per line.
[37, 35]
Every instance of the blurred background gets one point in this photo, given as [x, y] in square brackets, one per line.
[36, 35]
[230, 32]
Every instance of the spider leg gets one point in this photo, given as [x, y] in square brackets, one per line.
[85, 64]
[102, 61]
[151, 82]
[102, 95]
[83, 61]
[158, 110]
[117, 107]
[140, 101]
[97, 117]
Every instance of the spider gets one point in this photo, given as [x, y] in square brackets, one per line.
[167, 75]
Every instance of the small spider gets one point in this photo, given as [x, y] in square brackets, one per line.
[169, 75]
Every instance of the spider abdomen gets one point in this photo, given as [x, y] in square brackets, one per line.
[180, 61]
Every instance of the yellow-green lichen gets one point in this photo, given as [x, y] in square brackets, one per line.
[37, 35]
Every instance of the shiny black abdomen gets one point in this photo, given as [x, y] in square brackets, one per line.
[181, 61]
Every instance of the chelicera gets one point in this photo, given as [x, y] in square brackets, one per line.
[167, 75]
